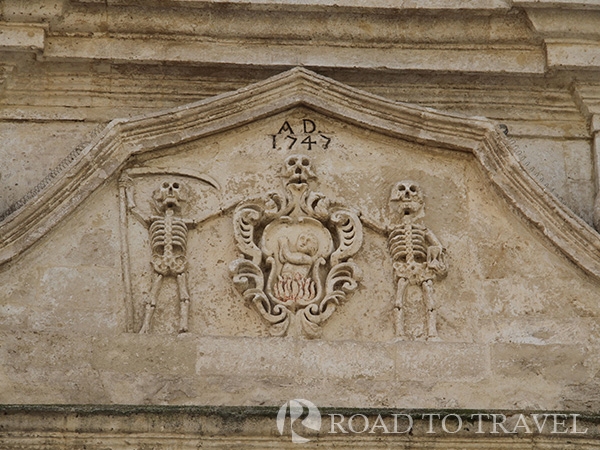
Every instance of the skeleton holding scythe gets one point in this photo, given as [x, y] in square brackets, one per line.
[168, 240]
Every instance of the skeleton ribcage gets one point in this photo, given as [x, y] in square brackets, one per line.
[168, 237]
[407, 243]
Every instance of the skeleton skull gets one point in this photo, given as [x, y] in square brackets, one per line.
[298, 169]
[410, 196]
[169, 195]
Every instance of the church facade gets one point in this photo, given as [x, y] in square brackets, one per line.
[288, 224]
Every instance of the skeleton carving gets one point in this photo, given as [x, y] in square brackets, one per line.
[168, 239]
[418, 256]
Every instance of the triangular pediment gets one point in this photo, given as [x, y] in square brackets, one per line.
[85, 170]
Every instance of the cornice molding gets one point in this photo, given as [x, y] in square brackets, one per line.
[255, 427]
[361, 4]
[372, 4]
[519, 36]
[87, 169]
[558, 4]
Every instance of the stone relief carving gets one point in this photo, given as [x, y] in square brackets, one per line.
[292, 269]
[417, 254]
[168, 231]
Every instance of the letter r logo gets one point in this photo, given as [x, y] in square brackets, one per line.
[312, 421]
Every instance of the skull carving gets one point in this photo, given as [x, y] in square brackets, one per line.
[169, 195]
[410, 196]
[298, 169]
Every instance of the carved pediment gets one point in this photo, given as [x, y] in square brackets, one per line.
[207, 226]
[87, 169]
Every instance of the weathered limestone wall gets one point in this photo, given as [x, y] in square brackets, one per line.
[517, 321]
[69, 66]
[290, 264]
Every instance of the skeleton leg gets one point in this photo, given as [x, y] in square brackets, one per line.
[427, 287]
[399, 307]
[151, 305]
[184, 302]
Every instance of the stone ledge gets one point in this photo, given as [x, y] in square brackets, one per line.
[188, 369]
[552, 362]
[22, 37]
[575, 53]
[562, 4]
[505, 58]
[386, 4]
[276, 357]
[129, 426]
[439, 361]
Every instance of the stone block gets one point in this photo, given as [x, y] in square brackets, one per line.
[554, 363]
[441, 361]
[24, 165]
[566, 53]
[130, 353]
[544, 159]
[28, 37]
[346, 360]
[260, 357]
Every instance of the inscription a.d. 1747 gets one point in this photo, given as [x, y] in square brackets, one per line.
[302, 135]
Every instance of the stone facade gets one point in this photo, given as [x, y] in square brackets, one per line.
[211, 208]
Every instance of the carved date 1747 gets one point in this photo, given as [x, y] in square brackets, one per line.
[303, 135]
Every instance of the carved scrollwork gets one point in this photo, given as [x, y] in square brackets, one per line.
[245, 220]
[291, 268]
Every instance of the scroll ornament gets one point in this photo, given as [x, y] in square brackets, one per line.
[295, 266]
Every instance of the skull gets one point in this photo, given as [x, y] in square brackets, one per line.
[169, 195]
[298, 169]
[410, 196]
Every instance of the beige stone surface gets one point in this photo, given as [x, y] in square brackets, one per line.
[32, 150]
[21, 37]
[517, 320]
[114, 290]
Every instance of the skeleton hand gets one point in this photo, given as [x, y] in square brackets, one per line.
[435, 259]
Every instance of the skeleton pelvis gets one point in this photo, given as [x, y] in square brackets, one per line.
[169, 266]
[415, 272]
